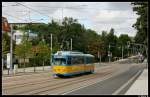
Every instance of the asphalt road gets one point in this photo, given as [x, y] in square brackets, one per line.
[109, 86]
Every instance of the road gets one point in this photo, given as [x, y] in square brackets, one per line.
[107, 79]
[111, 85]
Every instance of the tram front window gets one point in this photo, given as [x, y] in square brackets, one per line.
[59, 61]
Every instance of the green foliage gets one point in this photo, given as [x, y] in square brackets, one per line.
[141, 9]
[6, 43]
[5, 48]
[23, 50]
[84, 40]
[123, 38]
[43, 53]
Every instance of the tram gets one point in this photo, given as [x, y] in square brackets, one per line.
[68, 63]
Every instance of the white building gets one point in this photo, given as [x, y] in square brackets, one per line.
[18, 36]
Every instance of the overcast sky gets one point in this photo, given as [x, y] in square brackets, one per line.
[97, 16]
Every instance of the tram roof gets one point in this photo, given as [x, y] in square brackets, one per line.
[72, 53]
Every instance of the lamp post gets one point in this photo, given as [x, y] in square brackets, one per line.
[11, 50]
[122, 52]
[109, 53]
[71, 44]
[51, 50]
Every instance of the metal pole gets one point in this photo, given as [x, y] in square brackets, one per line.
[2, 64]
[99, 58]
[109, 52]
[51, 55]
[34, 63]
[11, 50]
[2, 61]
[128, 51]
[51, 49]
[71, 44]
[122, 52]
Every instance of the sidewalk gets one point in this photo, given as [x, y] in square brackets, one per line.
[140, 86]
[29, 70]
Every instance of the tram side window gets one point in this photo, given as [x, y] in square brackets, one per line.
[77, 60]
[59, 61]
[81, 60]
[89, 60]
[69, 61]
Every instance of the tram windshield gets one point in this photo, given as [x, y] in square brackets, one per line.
[59, 61]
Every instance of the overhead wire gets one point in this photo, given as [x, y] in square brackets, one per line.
[14, 16]
[34, 10]
[17, 3]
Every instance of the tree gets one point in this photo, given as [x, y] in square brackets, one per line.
[141, 25]
[5, 47]
[123, 39]
[4, 50]
[23, 50]
[83, 40]
[43, 52]
[5, 43]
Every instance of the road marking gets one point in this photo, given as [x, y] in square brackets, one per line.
[129, 81]
[105, 78]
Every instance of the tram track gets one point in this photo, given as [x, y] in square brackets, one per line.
[47, 91]
[72, 86]
[38, 85]
[28, 82]
[66, 83]
[18, 78]
[41, 86]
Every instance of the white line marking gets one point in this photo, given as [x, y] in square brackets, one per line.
[107, 77]
[129, 81]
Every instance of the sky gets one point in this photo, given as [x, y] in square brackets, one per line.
[97, 16]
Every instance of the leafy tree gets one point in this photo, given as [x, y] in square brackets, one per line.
[123, 39]
[5, 43]
[5, 47]
[141, 25]
[41, 53]
[24, 50]
[84, 40]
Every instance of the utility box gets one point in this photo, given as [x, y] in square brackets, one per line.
[15, 68]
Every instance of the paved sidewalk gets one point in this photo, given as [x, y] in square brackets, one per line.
[140, 86]
[29, 70]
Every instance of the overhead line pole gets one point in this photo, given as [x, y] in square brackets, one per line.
[71, 44]
[11, 50]
[51, 49]
[109, 52]
[122, 52]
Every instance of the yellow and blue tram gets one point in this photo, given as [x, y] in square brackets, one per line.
[68, 63]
